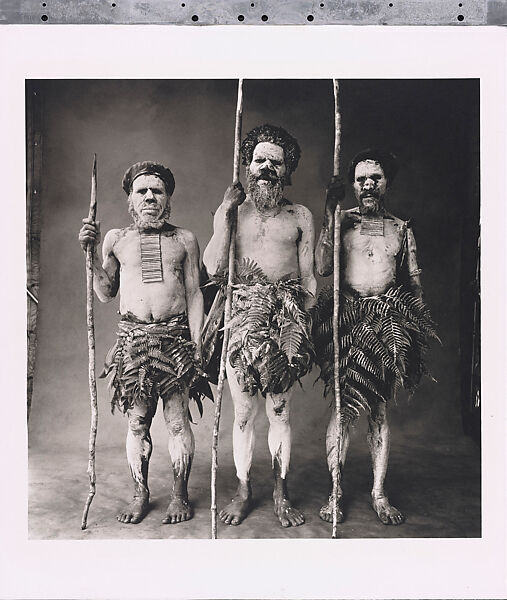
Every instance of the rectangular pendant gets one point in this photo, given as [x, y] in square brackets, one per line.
[151, 257]
[372, 225]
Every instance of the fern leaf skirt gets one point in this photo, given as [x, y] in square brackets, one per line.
[383, 340]
[270, 346]
[151, 360]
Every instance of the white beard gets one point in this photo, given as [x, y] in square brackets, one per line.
[267, 195]
[145, 223]
[374, 207]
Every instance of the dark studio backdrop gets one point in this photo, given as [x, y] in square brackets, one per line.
[431, 125]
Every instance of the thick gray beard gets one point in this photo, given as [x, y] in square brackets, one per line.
[372, 211]
[265, 197]
[146, 224]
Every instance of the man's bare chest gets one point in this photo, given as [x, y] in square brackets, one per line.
[279, 230]
[130, 248]
[386, 246]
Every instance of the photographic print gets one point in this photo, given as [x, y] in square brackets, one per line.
[356, 173]
[414, 391]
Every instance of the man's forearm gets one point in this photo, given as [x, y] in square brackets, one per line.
[414, 272]
[216, 255]
[103, 286]
[415, 285]
[324, 249]
[195, 312]
[310, 285]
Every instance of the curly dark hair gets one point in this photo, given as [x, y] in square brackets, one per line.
[275, 135]
[387, 161]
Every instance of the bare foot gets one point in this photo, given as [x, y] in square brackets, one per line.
[135, 511]
[387, 513]
[326, 512]
[178, 510]
[235, 512]
[287, 514]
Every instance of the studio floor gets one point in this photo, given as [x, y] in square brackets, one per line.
[437, 485]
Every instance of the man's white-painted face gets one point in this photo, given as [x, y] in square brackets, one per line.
[149, 197]
[370, 183]
[268, 162]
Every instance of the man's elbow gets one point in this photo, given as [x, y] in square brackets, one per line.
[213, 265]
[209, 262]
[310, 283]
[107, 292]
[324, 269]
[104, 298]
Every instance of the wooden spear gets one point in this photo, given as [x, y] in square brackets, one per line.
[91, 350]
[227, 316]
[336, 308]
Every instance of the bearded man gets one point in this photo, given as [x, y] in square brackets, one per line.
[383, 323]
[155, 267]
[270, 347]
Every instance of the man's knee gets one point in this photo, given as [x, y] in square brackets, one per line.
[244, 413]
[378, 415]
[177, 426]
[139, 425]
[277, 409]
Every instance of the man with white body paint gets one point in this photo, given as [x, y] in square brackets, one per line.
[155, 267]
[276, 237]
[383, 322]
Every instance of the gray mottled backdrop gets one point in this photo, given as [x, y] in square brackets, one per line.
[432, 126]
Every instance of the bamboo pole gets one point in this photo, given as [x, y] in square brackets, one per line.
[227, 316]
[91, 350]
[336, 309]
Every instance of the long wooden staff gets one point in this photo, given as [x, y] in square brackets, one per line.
[227, 317]
[336, 309]
[91, 350]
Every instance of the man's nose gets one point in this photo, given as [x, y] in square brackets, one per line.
[368, 184]
[148, 195]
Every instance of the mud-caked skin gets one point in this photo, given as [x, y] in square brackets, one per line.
[370, 266]
[155, 302]
[278, 236]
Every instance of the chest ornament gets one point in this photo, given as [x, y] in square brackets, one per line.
[151, 257]
[372, 225]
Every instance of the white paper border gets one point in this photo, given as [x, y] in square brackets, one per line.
[443, 568]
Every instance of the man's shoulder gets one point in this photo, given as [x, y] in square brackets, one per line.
[113, 235]
[396, 220]
[185, 236]
[300, 210]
